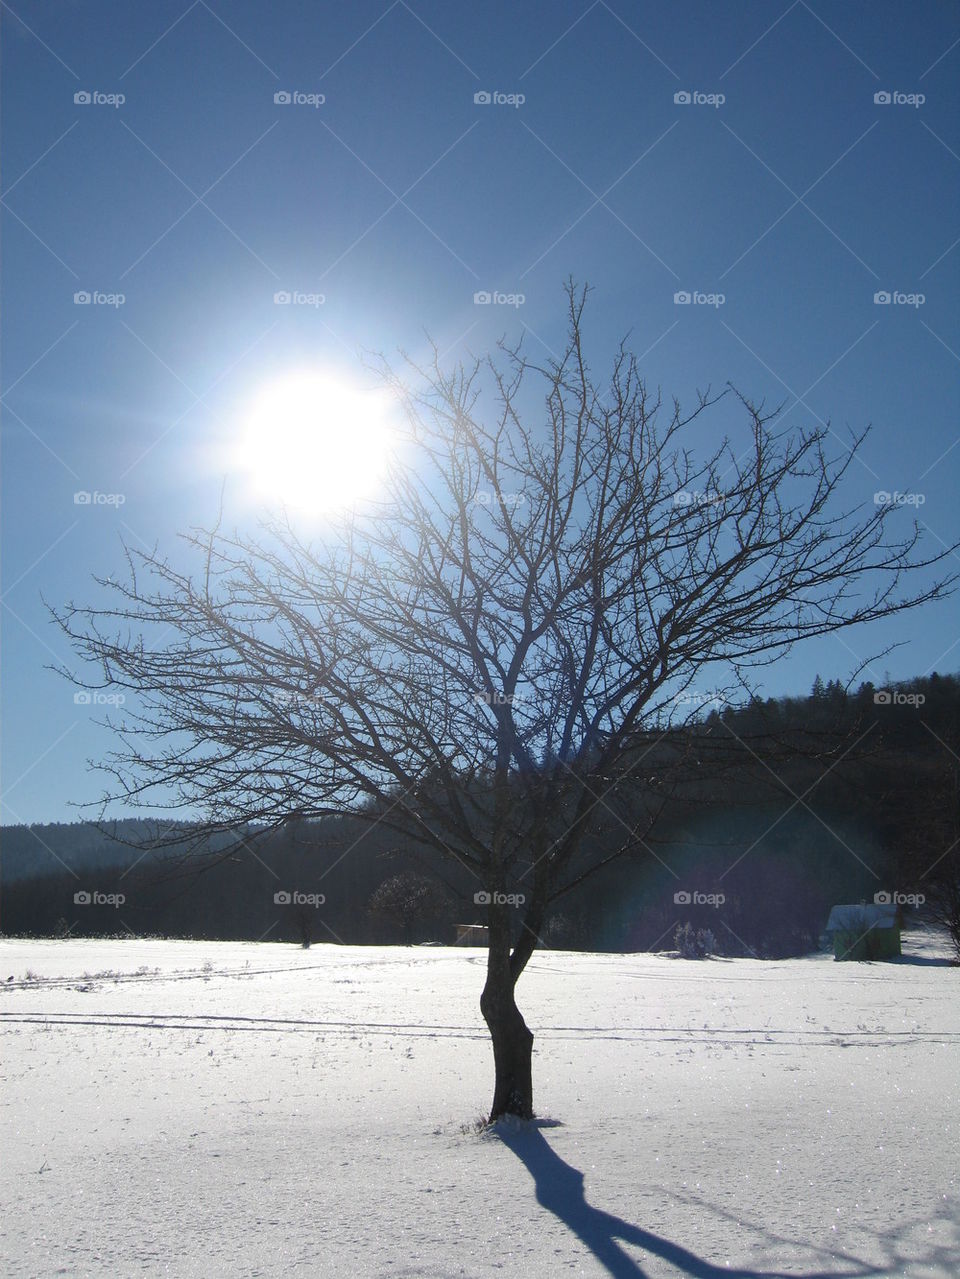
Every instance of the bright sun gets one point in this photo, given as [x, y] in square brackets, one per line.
[315, 442]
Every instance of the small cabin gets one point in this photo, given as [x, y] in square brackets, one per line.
[863, 932]
[472, 935]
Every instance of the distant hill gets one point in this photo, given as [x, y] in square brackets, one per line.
[28, 852]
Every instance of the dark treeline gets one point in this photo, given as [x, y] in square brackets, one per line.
[802, 803]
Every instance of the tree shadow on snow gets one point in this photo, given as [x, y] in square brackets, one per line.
[560, 1189]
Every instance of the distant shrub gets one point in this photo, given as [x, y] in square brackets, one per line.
[694, 945]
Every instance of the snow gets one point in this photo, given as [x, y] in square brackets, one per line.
[207, 1109]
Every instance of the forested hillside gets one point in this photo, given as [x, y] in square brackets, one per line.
[785, 808]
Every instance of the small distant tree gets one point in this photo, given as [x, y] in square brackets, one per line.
[488, 662]
[939, 876]
[412, 903]
[944, 899]
[693, 943]
[919, 807]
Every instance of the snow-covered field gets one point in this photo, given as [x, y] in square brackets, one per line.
[215, 1109]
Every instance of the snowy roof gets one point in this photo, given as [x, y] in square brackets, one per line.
[861, 917]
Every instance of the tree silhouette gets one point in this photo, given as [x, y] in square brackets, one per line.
[411, 903]
[486, 660]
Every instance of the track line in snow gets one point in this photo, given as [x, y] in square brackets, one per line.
[203, 974]
[646, 1034]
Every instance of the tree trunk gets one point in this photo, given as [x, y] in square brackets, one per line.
[512, 1045]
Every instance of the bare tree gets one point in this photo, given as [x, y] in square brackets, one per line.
[488, 662]
[944, 891]
[411, 902]
[929, 854]
[938, 859]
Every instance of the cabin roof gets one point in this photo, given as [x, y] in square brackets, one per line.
[862, 917]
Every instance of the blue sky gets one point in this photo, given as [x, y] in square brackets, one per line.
[797, 197]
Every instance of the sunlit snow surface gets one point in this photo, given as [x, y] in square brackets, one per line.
[208, 1109]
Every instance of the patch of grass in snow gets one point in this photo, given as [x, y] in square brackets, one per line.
[476, 1128]
[482, 1126]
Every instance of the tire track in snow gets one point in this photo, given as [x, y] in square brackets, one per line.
[203, 974]
[732, 1037]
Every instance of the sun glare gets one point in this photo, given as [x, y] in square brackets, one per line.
[316, 443]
